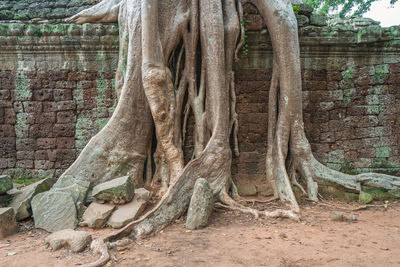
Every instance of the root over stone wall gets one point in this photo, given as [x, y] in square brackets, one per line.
[57, 91]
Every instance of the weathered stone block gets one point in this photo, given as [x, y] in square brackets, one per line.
[46, 143]
[44, 164]
[25, 154]
[365, 198]
[46, 117]
[64, 130]
[66, 105]
[394, 68]
[318, 20]
[25, 164]
[7, 130]
[9, 116]
[96, 215]
[131, 211]
[66, 117]
[62, 94]
[201, 205]
[117, 190]
[32, 106]
[43, 94]
[76, 188]
[8, 225]
[54, 211]
[41, 130]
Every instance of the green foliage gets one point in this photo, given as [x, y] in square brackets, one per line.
[25, 182]
[344, 7]
[38, 33]
[245, 46]
[296, 9]
[21, 174]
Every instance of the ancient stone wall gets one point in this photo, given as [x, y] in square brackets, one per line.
[351, 95]
[56, 91]
[23, 10]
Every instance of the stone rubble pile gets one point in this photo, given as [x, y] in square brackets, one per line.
[114, 203]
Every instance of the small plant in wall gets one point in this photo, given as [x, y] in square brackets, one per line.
[39, 33]
[296, 9]
[245, 46]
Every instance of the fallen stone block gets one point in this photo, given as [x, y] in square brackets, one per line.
[54, 211]
[118, 191]
[77, 188]
[201, 205]
[21, 203]
[131, 211]
[76, 241]
[8, 224]
[96, 215]
[365, 198]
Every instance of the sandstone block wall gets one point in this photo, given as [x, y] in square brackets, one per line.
[41, 9]
[57, 91]
[351, 96]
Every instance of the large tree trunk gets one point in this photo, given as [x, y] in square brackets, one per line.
[173, 48]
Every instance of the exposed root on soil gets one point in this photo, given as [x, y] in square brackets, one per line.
[98, 246]
[176, 57]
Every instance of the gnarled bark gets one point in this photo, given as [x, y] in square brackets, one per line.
[173, 48]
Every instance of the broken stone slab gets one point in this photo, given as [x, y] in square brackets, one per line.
[96, 215]
[76, 241]
[127, 213]
[119, 190]
[21, 203]
[201, 205]
[8, 224]
[5, 183]
[77, 188]
[54, 211]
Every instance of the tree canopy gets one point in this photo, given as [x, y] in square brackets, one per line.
[343, 7]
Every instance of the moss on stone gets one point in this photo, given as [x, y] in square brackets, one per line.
[21, 174]
[333, 192]
[377, 193]
[22, 87]
[25, 182]
[348, 168]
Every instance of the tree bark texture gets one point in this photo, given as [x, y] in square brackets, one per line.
[176, 57]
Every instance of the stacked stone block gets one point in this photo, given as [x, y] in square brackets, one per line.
[34, 9]
[57, 91]
[45, 123]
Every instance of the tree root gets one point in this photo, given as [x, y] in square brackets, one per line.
[325, 175]
[209, 29]
[228, 203]
[99, 246]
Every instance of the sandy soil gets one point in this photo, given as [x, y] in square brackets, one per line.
[233, 239]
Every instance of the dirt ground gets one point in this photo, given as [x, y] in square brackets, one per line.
[234, 239]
